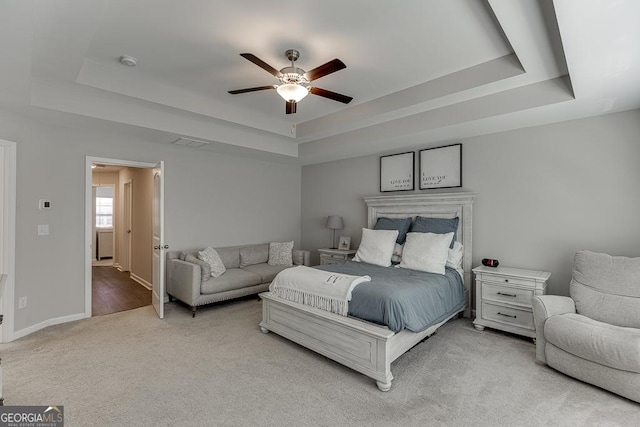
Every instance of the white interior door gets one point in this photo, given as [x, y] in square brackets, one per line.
[125, 258]
[159, 246]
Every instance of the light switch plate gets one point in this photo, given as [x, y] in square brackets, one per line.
[43, 229]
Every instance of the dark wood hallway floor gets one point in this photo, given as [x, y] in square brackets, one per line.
[114, 291]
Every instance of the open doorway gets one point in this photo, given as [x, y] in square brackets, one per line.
[121, 237]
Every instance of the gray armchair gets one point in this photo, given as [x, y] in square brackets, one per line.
[594, 335]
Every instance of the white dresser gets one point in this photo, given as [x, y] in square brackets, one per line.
[503, 298]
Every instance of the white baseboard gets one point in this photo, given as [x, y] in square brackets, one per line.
[141, 281]
[50, 322]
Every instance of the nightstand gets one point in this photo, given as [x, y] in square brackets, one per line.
[334, 256]
[503, 298]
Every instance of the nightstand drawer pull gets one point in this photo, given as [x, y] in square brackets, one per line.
[507, 315]
[507, 295]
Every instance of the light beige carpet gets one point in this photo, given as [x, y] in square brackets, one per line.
[133, 369]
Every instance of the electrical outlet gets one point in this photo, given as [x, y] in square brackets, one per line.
[22, 302]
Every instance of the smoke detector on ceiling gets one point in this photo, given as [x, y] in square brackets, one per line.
[129, 61]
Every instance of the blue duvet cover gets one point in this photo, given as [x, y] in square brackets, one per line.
[401, 298]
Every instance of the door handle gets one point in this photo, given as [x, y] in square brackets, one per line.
[161, 247]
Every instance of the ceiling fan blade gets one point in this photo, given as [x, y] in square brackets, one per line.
[323, 70]
[260, 63]
[291, 107]
[331, 95]
[251, 89]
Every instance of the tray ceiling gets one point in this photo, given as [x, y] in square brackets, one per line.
[419, 71]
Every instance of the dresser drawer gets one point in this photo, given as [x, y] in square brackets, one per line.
[507, 294]
[508, 280]
[329, 260]
[338, 257]
[508, 315]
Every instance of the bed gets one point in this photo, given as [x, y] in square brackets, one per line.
[364, 346]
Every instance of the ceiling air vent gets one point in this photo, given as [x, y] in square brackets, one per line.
[190, 142]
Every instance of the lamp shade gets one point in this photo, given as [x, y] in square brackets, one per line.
[292, 92]
[334, 222]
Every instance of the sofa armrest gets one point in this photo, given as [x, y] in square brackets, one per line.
[301, 257]
[183, 280]
[545, 306]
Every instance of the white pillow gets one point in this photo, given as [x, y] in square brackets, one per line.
[211, 257]
[454, 258]
[281, 253]
[426, 252]
[376, 247]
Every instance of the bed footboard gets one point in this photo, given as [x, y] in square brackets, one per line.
[361, 346]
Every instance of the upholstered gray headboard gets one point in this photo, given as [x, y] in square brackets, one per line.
[431, 205]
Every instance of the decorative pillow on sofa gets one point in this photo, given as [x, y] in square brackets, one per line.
[376, 247]
[205, 269]
[426, 252]
[437, 226]
[281, 253]
[211, 257]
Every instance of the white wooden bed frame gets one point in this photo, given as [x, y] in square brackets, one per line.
[366, 347]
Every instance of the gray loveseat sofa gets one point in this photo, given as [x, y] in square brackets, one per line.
[247, 272]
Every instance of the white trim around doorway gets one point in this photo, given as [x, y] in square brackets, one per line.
[89, 219]
[8, 164]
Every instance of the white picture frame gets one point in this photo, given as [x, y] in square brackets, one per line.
[397, 172]
[441, 167]
[344, 243]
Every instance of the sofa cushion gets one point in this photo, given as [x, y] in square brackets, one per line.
[599, 342]
[266, 271]
[281, 253]
[250, 255]
[230, 256]
[233, 278]
[607, 288]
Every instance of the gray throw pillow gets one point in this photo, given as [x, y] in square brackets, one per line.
[400, 224]
[437, 226]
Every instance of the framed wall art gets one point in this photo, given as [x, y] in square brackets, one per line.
[397, 172]
[441, 167]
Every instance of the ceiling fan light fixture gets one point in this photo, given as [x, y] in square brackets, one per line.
[292, 92]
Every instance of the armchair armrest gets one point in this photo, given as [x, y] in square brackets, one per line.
[545, 306]
[301, 257]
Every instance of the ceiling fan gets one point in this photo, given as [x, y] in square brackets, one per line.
[295, 81]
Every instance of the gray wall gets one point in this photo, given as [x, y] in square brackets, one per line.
[210, 199]
[542, 193]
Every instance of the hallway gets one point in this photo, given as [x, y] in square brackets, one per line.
[114, 291]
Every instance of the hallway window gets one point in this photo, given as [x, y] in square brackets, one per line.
[104, 212]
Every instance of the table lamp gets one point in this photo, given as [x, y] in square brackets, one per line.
[334, 223]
